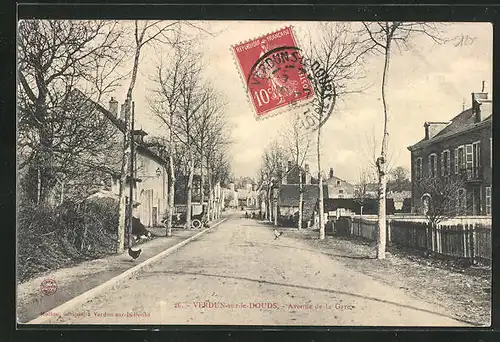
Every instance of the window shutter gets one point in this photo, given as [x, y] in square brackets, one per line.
[429, 169]
[456, 161]
[478, 153]
[434, 174]
[448, 167]
[468, 156]
[442, 164]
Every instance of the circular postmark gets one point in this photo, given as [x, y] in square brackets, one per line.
[48, 287]
[277, 78]
[282, 76]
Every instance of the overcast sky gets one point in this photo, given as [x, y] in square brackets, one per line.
[427, 83]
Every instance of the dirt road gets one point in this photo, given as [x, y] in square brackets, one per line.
[238, 274]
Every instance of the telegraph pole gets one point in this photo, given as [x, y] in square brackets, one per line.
[132, 178]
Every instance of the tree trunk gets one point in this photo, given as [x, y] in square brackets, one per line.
[381, 163]
[171, 195]
[210, 201]
[320, 184]
[269, 206]
[124, 171]
[189, 189]
[301, 200]
[275, 210]
[202, 180]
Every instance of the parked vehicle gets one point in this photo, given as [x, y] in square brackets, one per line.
[198, 215]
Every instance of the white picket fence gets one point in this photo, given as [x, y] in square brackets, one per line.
[461, 237]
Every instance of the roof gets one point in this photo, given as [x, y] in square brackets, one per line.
[463, 122]
[333, 181]
[289, 196]
[120, 125]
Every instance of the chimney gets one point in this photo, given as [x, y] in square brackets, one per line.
[331, 172]
[308, 174]
[113, 107]
[477, 100]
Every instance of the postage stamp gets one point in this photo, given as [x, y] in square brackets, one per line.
[272, 69]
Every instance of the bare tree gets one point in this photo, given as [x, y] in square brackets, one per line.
[381, 36]
[192, 96]
[297, 142]
[363, 187]
[442, 198]
[335, 61]
[58, 131]
[144, 33]
[212, 143]
[273, 160]
[399, 179]
[165, 103]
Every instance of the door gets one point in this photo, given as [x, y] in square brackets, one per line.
[155, 216]
[476, 201]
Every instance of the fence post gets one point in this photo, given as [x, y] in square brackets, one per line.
[427, 237]
[472, 242]
[388, 232]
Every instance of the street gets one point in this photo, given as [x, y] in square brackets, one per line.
[238, 274]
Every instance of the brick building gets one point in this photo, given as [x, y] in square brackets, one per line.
[461, 147]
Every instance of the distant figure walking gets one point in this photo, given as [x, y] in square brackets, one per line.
[246, 214]
[253, 214]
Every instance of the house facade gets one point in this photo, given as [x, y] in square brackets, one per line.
[248, 196]
[339, 188]
[288, 193]
[461, 148]
[150, 189]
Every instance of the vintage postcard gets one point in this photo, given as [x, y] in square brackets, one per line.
[276, 173]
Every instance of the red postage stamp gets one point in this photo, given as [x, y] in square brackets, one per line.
[272, 67]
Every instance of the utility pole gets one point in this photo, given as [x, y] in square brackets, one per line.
[132, 178]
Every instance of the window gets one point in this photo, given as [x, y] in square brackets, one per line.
[469, 157]
[459, 158]
[488, 200]
[476, 158]
[341, 193]
[338, 182]
[432, 165]
[445, 163]
[418, 168]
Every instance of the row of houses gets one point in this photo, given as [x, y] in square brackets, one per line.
[150, 173]
[461, 147]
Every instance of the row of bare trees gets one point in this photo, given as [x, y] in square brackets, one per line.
[193, 114]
